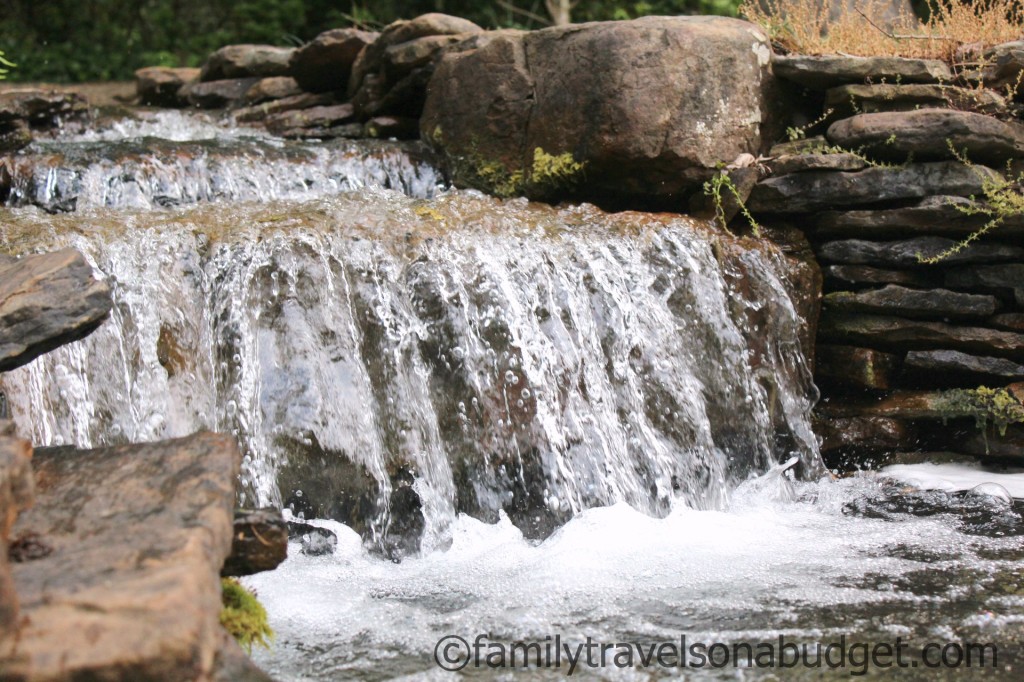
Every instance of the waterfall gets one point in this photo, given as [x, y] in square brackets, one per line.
[391, 361]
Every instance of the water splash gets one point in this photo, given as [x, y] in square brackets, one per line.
[146, 173]
[401, 359]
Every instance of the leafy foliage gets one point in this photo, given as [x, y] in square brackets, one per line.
[79, 40]
[3, 63]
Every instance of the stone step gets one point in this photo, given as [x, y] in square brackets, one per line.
[814, 191]
[900, 334]
[130, 589]
[915, 303]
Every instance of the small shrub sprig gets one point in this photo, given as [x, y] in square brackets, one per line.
[5, 63]
[721, 182]
[243, 616]
[1002, 200]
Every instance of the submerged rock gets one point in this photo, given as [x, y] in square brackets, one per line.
[539, 112]
[131, 590]
[47, 300]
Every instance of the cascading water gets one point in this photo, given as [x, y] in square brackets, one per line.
[450, 372]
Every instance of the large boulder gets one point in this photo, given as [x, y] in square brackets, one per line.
[638, 109]
[47, 300]
[324, 63]
[129, 588]
[246, 61]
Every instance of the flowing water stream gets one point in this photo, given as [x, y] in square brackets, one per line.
[552, 421]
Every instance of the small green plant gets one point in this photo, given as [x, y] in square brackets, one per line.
[552, 172]
[794, 133]
[721, 182]
[243, 616]
[5, 63]
[1002, 200]
[995, 406]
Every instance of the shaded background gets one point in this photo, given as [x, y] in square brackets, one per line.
[83, 40]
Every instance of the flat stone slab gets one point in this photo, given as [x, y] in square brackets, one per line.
[908, 252]
[916, 303]
[863, 275]
[47, 300]
[1003, 64]
[1005, 279]
[822, 190]
[828, 71]
[899, 334]
[940, 364]
[936, 215]
[796, 163]
[1011, 321]
[847, 100]
[929, 134]
[131, 589]
[903, 405]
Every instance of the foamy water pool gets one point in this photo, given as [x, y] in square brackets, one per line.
[859, 559]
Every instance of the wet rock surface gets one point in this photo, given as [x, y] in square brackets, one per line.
[131, 589]
[259, 542]
[47, 300]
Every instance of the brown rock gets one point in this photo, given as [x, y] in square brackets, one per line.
[863, 275]
[900, 301]
[909, 252]
[278, 87]
[41, 108]
[314, 117]
[325, 63]
[1012, 321]
[402, 59]
[1002, 66]
[795, 163]
[217, 94]
[262, 111]
[14, 135]
[830, 71]
[824, 190]
[398, 127]
[896, 333]
[16, 494]
[131, 590]
[259, 542]
[574, 93]
[931, 216]
[847, 100]
[862, 433]
[47, 300]
[930, 134]
[246, 61]
[1006, 279]
[856, 367]
[159, 86]
[950, 368]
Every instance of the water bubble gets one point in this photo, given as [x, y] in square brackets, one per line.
[231, 408]
[462, 406]
[236, 358]
[993, 491]
[525, 394]
[519, 403]
[58, 440]
[511, 378]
